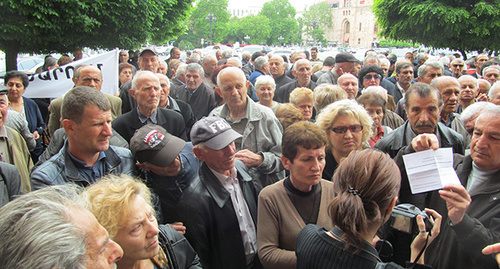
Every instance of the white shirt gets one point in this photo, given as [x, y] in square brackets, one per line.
[247, 226]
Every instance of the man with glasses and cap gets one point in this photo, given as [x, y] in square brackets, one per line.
[344, 63]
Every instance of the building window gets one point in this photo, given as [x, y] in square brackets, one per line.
[360, 26]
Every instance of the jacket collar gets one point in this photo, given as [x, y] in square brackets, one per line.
[252, 112]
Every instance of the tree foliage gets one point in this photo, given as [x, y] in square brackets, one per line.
[199, 27]
[281, 15]
[41, 26]
[456, 24]
[256, 27]
[316, 19]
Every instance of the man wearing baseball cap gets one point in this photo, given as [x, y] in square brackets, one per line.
[219, 209]
[344, 63]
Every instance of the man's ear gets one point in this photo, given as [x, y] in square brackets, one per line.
[200, 154]
[132, 93]
[68, 125]
[74, 80]
[248, 83]
[286, 162]
[218, 91]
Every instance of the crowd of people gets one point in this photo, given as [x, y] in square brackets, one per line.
[258, 161]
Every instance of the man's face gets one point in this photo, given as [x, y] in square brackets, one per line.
[371, 79]
[4, 105]
[480, 59]
[92, 134]
[450, 90]
[123, 57]
[409, 57]
[209, 66]
[125, 75]
[468, 86]
[496, 97]
[314, 54]
[89, 76]
[233, 89]
[218, 55]
[176, 54]
[485, 143]
[164, 89]
[147, 93]
[303, 72]
[431, 74]
[350, 86]
[162, 68]
[193, 80]
[484, 86]
[101, 251]
[385, 67]
[276, 66]
[457, 68]
[148, 61]
[219, 160]
[492, 75]
[405, 77]
[423, 113]
[347, 67]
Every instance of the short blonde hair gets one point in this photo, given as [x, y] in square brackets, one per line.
[301, 94]
[288, 114]
[111, 197]
[348, 107]
[326, 94]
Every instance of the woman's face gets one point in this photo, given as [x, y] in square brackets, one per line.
[125, 75]
[377, 114]
[265, 92]
[15, 87]
[307, 167]
[139, 236]
[344, 143]
[306, 108]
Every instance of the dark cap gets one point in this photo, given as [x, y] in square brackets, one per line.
[344, 57]
[150, 49]
[3, 90]
[213, 132]
[153, 144]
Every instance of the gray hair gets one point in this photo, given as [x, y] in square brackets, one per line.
[207, 58]
[227, 54]
[237, 60]
[37, 230]
[377, 90]
[444, 60]
[493, 90]
[265, 79]
[490, 67]
[300, 61]
[78, 69]
[371, 58]
[194, 67]
[260, 62]
[421, 56]
[385, 60]
[422, 70]
[246, 54]
[470, 77]
[458, 60]
[491, 110]
[473, 110]
[181, 69]
[78, 98]
[195, 58]
[423, 90]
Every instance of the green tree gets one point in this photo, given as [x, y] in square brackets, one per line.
[199, 27]
[41, 26]
[316, 20]
[281, 15]
[237, 29]
[457, 24]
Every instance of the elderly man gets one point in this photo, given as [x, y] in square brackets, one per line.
[260, 146]
[469, 90]
[195, 92]
[209, 63]
[148, 61]
[261, 68]
[470, 114]
[449, 87]
[219, 210]
[245, 57]
[277, 69]
[86, 155]
[166, 101]
[162, 68]
[491, 74]
[478, 62]
[421, 59]
[146, 90]
[457, 67]
[85, 75]
[13, 149]
[180, 76]
[422, 105]
[349, 83]
[302, 69]
[123, 57]
[344, 63]
[249, 67]
[494, 94]
[51, 228]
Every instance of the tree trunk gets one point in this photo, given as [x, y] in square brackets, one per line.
[11, 51]
[464, 54]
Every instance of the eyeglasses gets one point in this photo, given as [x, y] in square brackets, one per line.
[376, 77]
[343, 129]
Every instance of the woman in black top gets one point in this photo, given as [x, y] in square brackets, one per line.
[366, 185]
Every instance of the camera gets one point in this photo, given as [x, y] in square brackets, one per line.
[404, 219]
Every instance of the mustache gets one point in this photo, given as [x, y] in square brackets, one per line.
[425, 124]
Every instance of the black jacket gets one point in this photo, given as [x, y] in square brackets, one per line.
[202, 101]
[211, 224]
[285, 90]
[179, 252]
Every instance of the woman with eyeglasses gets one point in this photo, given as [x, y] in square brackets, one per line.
[348, 127]
[372, 75]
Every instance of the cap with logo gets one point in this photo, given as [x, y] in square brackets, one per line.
[153, 144]
[213, 132]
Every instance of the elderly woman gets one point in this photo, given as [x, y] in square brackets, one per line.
[366, 186]
[122, 205]
[348, 127]
[374, 104]
[372, 75]
[288, 114]
[264, 89]
[325, 94]
[16, 83]
[125, 73]
[302, 98]
[286, 206]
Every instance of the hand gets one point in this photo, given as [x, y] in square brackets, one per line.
[424, 142]
[492, 249]
[482, 97]
[419, 242]
[171, 170]
[178, 226]
[249, 158]
[36, 135]
[457, 201]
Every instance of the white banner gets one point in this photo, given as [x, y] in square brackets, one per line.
[56, 82]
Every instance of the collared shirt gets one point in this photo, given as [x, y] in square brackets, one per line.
[148, 120]
[189, 93]
[378, 134]
[94, 172]
[400, 89]
[239, 126]
[451, 117]
[4, 148]
[247, 227]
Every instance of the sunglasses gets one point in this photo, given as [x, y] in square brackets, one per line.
[343, 129]
[457, 65]
[368, 77]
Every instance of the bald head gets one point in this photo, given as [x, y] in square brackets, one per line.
[88, 75]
